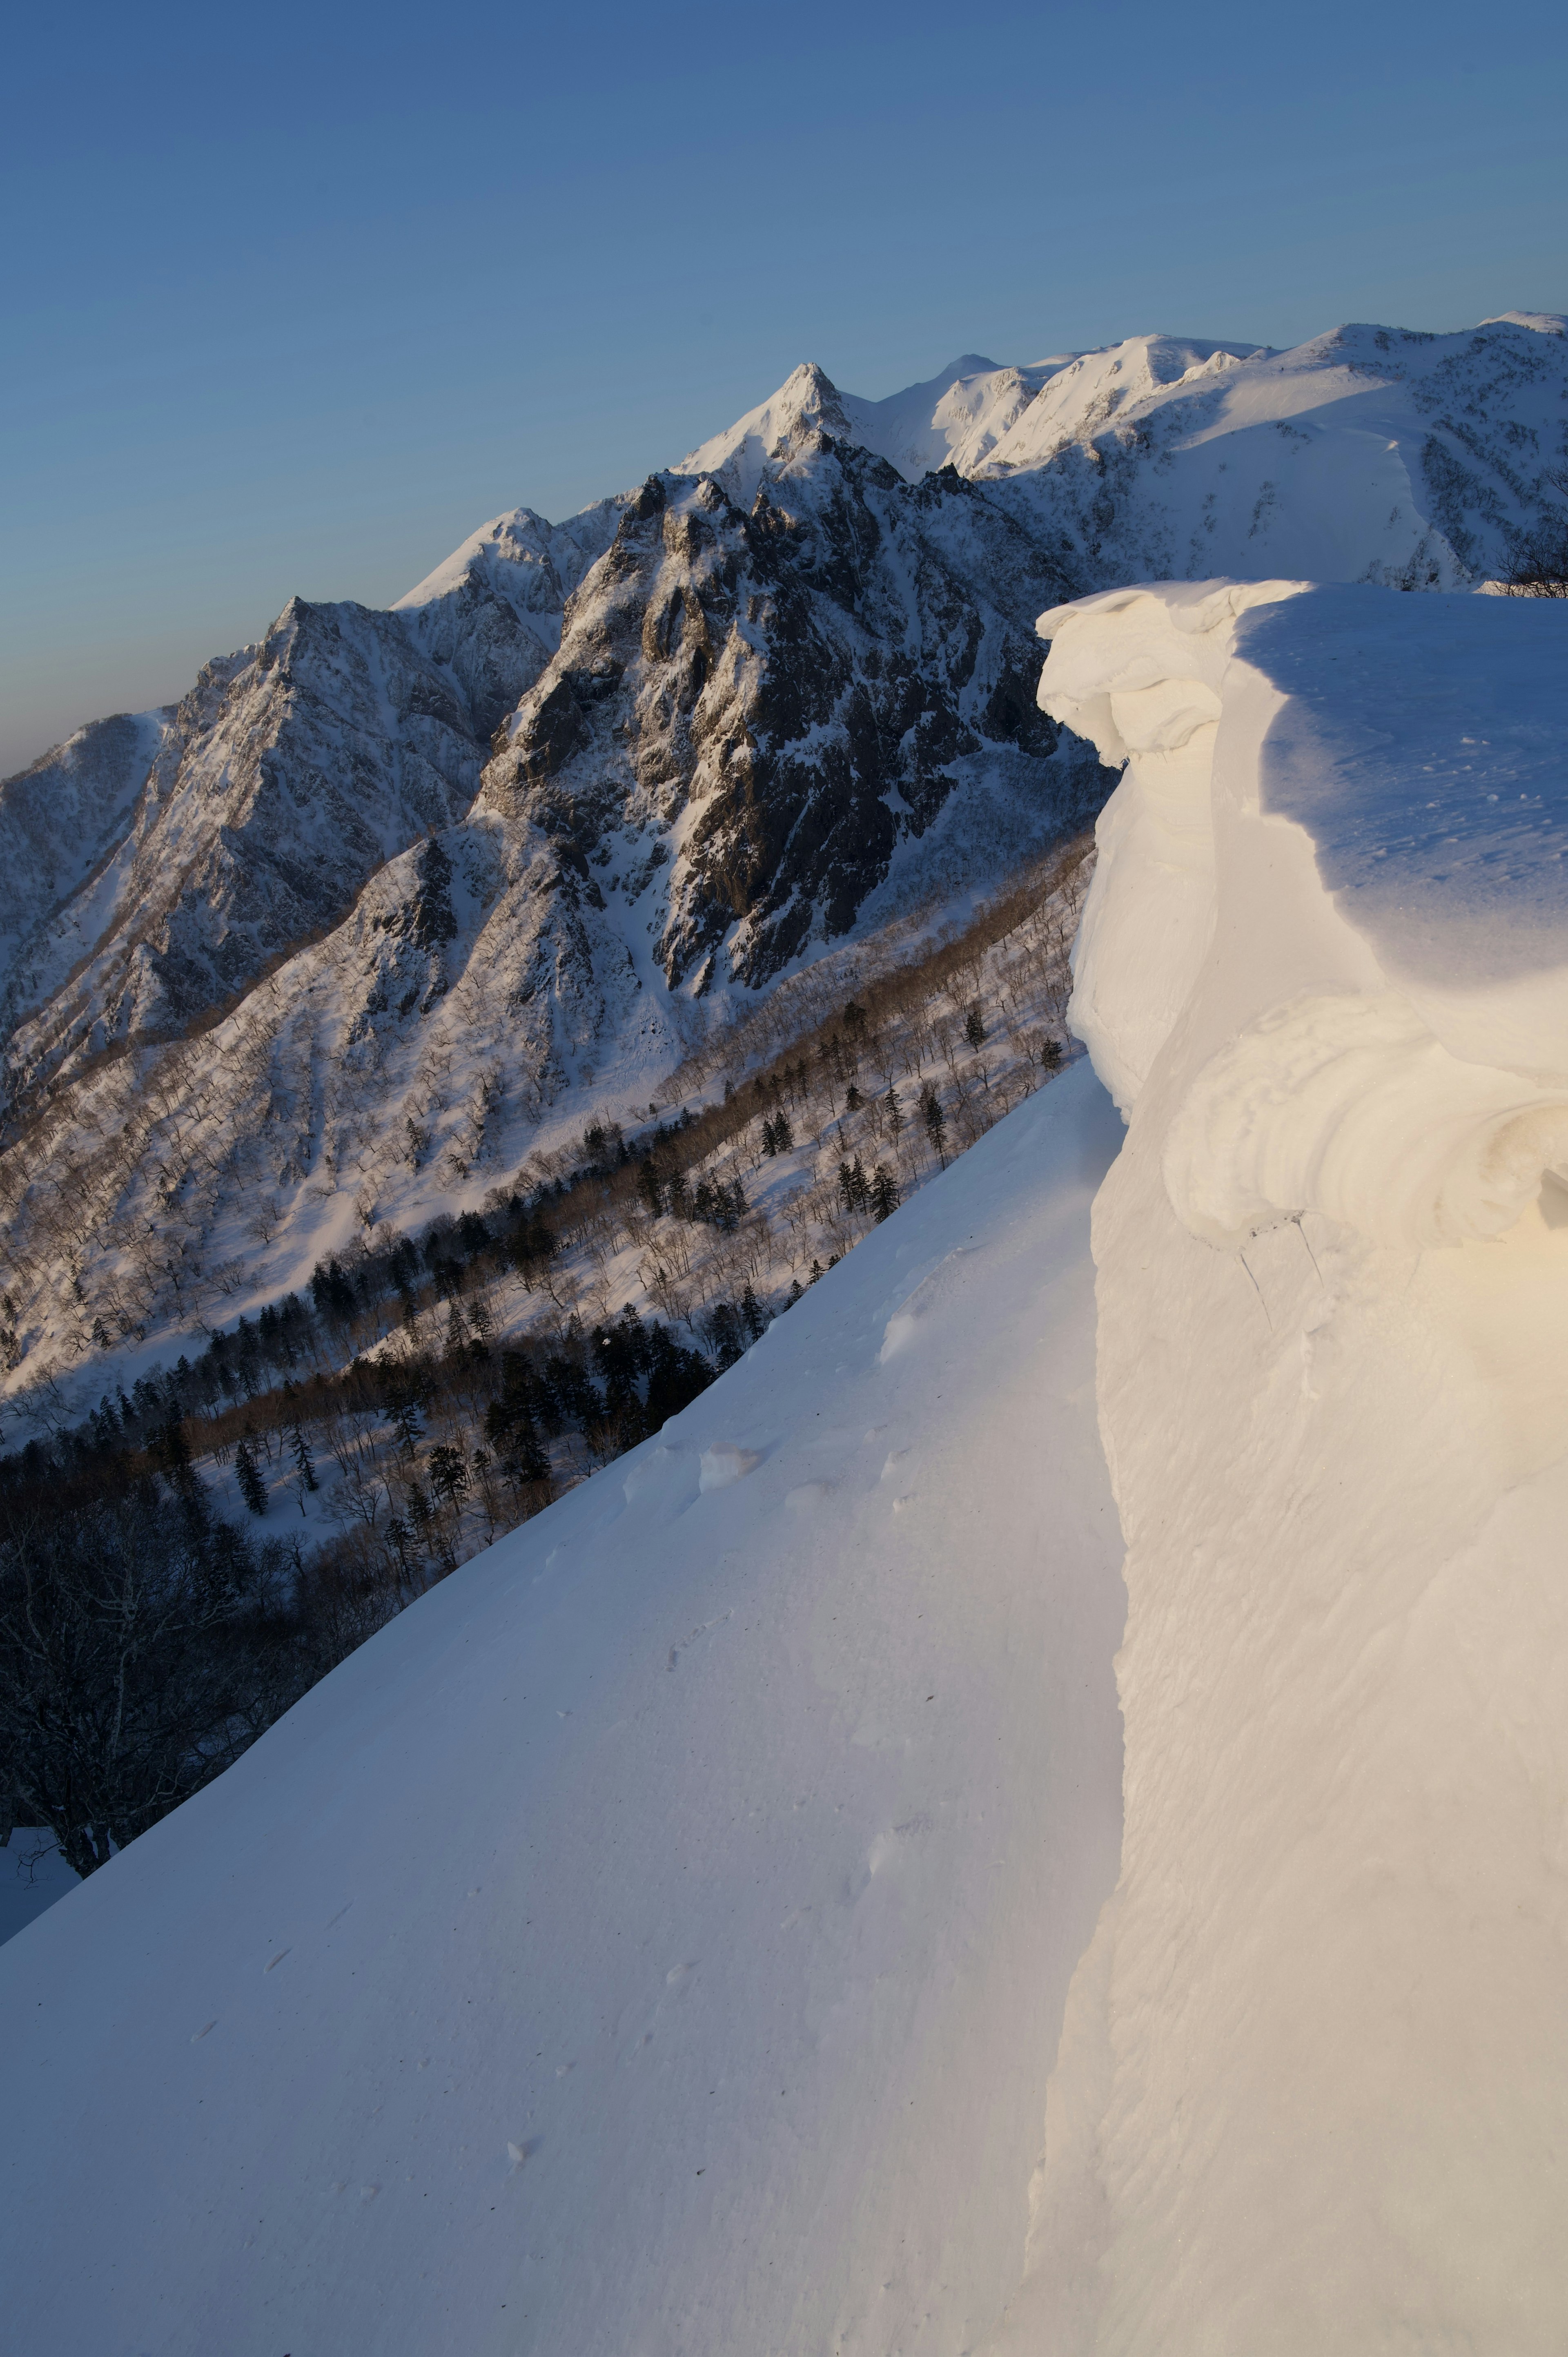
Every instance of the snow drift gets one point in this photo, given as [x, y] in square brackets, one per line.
[655, 1940]
[1312, 2083]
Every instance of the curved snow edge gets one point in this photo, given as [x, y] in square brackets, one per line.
[1335, 1095]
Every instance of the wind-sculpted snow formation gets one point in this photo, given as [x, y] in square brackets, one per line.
[1313, 2077]
[655, 1940]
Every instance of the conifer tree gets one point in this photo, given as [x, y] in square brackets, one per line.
[449, 1474]
[975, 1028]
[883, 1191]
[936, 1122]
[306, 1470]
[405, 1423]
[252, 1486]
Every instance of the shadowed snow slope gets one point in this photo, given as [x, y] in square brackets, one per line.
[655, 1940]
[1315, 2067]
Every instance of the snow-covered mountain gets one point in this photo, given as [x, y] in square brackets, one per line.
[392, 897]
[720, 1917]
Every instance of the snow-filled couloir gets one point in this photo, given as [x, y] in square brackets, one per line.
[1313, 2078]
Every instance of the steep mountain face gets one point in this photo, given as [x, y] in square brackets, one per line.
[290, 773]
[782, 703]
[251, 816]
[491, 614]
[762, 730]
[392, 895]
[59, 818]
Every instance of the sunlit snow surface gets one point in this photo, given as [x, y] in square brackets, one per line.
[1424, 749]
[1315, 2070]
[657, 1938]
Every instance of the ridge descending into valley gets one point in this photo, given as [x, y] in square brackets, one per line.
[392, 899]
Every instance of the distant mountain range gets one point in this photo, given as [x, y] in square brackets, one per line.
[391, 897]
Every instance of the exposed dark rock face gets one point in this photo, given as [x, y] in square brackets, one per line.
[798, 690]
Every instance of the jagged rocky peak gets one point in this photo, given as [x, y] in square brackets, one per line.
[784, 697]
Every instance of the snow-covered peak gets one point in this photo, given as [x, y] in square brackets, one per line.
[952, 419]
[522, 558]
[1544, 323]
[1096, 388]
[807, 400]
[504, 553]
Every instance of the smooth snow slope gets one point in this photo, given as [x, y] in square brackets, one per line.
[655, 1940]
[1315, 2070]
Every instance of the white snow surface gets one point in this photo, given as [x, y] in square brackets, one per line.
[1315, 2064]
[657, 1938]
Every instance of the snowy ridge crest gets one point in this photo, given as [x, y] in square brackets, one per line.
[1324, 971]
[1377, 1067]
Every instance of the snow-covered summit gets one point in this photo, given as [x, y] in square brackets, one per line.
[1365, 453]
[954, 418]
[807, 401]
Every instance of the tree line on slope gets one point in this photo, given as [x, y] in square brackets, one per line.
[160, 1604]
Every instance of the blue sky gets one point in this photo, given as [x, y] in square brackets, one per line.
[296, 297]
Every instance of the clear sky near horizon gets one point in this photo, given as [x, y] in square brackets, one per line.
[295, 298]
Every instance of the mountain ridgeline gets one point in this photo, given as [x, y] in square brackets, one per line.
[392, 899]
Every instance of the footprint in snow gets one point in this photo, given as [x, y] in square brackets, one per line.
[725, 1462]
